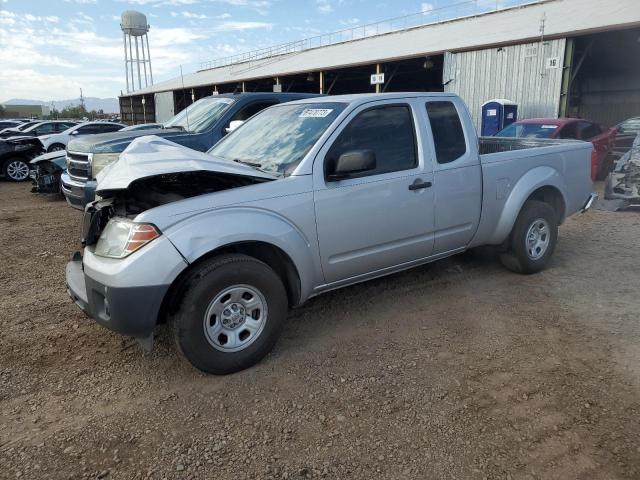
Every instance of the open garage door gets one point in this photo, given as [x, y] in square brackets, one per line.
[602, 81]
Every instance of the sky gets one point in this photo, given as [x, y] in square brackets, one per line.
[52, 48]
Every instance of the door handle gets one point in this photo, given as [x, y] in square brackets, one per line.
[419, 185]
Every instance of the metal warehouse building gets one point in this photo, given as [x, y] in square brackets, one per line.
[578, 58]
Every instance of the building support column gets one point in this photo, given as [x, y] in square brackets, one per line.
[377, 73]
[321, 83]
[567, 73]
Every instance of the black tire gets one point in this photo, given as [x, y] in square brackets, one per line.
[203, 286]
[56, 147]
[517, 258]
[9, 169]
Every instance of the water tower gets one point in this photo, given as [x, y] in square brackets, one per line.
[134, 25]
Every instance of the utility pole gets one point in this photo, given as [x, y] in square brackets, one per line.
[82, 100]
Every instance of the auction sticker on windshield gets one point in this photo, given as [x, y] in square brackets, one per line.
[315, 112]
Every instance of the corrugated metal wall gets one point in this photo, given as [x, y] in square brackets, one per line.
[517, 73]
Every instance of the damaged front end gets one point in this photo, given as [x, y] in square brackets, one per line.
[622, 186]
[46, 172]
[153, 172]
[147, 193]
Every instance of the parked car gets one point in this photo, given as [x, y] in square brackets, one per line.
[198, 127]
[58, 141]
[602, 139]
[15, 155]
[627, 132]
[20, 127]
[304, 198]
[8, 124]
[46, 170]
[142, 126]
[40, 128]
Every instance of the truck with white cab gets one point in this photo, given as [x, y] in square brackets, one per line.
[303, 198]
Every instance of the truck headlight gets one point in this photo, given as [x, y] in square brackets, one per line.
[101, 160]
[122, 237]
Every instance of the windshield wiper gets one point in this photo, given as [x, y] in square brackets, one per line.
[179, 127]
[245, 162]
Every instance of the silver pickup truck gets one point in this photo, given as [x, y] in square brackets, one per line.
[307, 197]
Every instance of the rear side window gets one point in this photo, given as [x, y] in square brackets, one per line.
[110, 127]
[589, 130]
[446, 128]
[569, 131]
[387, 131]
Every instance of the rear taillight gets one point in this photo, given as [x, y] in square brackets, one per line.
[594, 164]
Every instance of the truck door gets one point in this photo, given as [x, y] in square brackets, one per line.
[457, 175]
[381, 218]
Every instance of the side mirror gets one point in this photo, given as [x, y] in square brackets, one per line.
[75, 132]
[233, 125]
[353, 163]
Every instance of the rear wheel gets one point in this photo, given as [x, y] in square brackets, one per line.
[533, 238]
[56, 147]
[231, 313]
[16, 169]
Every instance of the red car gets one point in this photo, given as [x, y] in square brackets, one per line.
[570, 128]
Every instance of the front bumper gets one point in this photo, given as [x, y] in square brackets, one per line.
[78, 194]
[131, 311]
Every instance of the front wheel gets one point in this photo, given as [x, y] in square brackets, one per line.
[56, 147]
[16, 170]
[231, 313]
[533, 238]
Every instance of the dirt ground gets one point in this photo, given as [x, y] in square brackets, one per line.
[455, 370]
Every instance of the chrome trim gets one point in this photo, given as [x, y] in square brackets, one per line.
[590, 202]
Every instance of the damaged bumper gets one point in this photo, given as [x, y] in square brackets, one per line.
[131, 311]
[125, 295]
[78, 194]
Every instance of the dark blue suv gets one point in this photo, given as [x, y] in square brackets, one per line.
[199, 126]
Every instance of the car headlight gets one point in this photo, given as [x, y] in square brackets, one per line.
[101, 160]
[122, 237]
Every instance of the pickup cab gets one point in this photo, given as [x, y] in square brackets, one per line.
[308, 197]
[199, 127]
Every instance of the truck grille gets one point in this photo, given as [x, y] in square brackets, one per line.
[79, 166]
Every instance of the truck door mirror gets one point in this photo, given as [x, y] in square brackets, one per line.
[353, 163]
[233, 125]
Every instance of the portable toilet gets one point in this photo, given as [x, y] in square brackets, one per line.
[497, 114]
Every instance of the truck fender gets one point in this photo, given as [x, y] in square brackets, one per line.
[526, 185]
[214, 229]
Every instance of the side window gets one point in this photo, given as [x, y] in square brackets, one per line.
[110, 127]
[569, 131]
[250, 110]
[386, 131]
[86, 130]
[589, 130]
[448, 135]
[45, 129]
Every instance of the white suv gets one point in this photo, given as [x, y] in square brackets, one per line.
[53, 143]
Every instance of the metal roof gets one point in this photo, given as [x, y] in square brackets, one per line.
[562, 18]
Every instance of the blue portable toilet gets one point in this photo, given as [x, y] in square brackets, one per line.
[497, 114]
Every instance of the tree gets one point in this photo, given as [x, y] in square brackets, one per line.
[2, 111]
[74, 112]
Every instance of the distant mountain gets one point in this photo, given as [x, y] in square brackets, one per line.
[108, 105]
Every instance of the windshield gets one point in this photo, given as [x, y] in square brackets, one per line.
[278, 138]
[200, 115]
[528, 130]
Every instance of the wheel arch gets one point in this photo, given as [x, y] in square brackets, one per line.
[542, 183]
[268, 253]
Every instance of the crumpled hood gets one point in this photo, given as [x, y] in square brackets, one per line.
[149, 156]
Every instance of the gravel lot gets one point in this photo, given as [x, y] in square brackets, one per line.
[455, 370]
